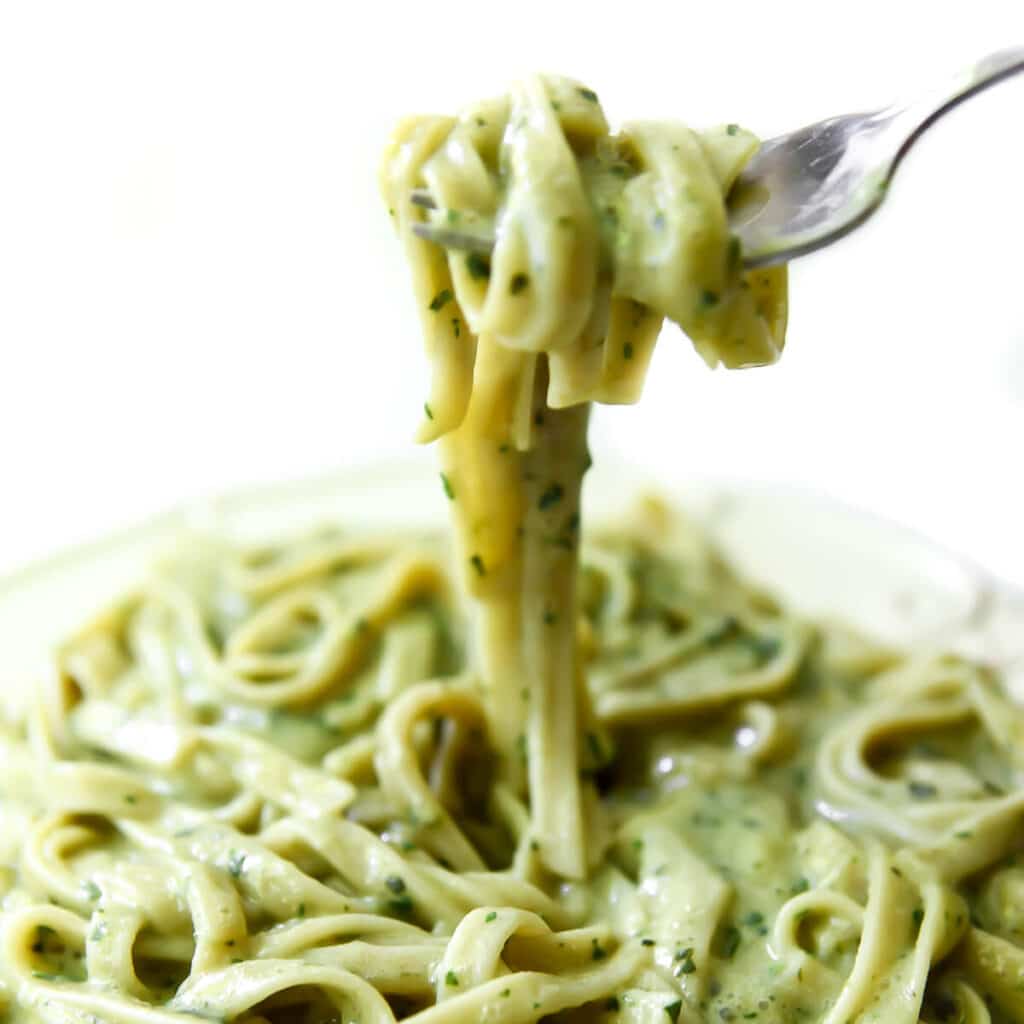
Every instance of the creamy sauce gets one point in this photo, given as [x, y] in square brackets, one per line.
[542, 772]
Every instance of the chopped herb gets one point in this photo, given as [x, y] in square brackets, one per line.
[647, 942]
[91, 889]
[301, 910]
[638, 844]
[479, 269]
[555, 105]
[538, 419]
[448, 489]
[921, 790]
[754, 919]
[456, 328]
[236, 863]
[594, 746]
[451, 979]
[504, 449]
[588, 94]
[962, 835]
[799, 886]
[764, 648]
[707, 299]
[612, 1003]
[627, 350]
[401, 905]
[505, 993]
[478, 564]
[550, 617]
[917, 916]
[130, 798]
[481, 123]
[672, 1010]
[492, 916]
[395, 884]
[730, 942]
[685, 961]
[518, 283]
[452, 216]
[597, 951]
[429, 412]
[731, 129]
[440, 300]
[551, 496]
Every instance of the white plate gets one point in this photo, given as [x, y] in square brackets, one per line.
[823, 559]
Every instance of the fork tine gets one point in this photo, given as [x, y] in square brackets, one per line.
[453, 239]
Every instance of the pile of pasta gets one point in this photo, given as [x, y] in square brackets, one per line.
[262, 788]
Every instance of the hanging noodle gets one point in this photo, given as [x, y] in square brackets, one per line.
[542, 772]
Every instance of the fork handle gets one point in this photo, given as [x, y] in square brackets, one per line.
[922, 111]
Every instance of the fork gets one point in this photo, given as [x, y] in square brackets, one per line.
[811, 187]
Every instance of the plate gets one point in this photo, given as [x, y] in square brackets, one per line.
[823, 559]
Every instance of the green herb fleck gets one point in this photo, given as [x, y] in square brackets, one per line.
[440, 300]
[91, 889]
[917, 916]
[448, 489]
[551, 496]
[479, 269]
[492, 916]
[731, 129]
[478, 564]
[395, 884]
[428, 411]
[456, 326]
[707, 299]
[597, 951]
[754, 919]
[550, 617]
[588, 94]
[401, 905]
[612, 1003]
[627, 350]
[921, 790]
[301, 910]
[672, 1010]
[451, 979]
[452, 216]
[730, 942]
[685, 963]
[518, 283]
[236, 863]
[799, 886]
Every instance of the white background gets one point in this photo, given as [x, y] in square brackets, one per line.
[198, 287]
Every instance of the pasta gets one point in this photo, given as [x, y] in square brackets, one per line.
[541, 771]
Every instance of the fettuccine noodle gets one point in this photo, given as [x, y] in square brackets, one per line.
[542, 772]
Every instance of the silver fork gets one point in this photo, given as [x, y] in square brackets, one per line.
[809, 188]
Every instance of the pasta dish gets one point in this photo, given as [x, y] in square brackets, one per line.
[535, 771]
